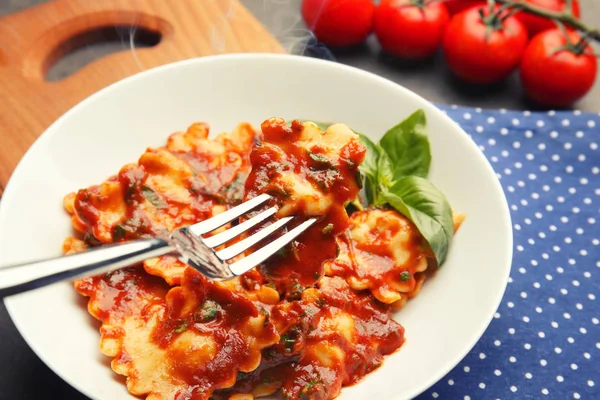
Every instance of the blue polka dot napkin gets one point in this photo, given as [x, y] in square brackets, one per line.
[544, 342]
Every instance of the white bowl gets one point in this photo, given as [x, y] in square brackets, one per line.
[114, 126]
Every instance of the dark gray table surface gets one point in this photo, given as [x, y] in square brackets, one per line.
[24, 376]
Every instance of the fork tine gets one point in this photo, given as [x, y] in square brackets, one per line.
[260, 255]
[250, 241]
[229, 234]
[228, 216]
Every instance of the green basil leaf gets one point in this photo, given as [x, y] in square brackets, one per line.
[369, 164]
[408, 146]
[385, 170]
[377, 168]
[152, 197]
[369, 167]
[371, 190]
[426, 206]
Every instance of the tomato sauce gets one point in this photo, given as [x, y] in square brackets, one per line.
[202, 307]
[282, 149]
[122, 293]
[301, 365]
[281, 326]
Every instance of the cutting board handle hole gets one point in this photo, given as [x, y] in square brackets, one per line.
[78, 51]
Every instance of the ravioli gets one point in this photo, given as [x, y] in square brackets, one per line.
[383, 252]
[311, 174]
[191, 179]
[182, 344]
[330, 338]
[315, 317]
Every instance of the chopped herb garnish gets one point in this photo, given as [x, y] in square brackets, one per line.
[327, 230]
[282, 252]
[405, 276]
[267, 315]
[90, 240]
[271, 285]
[295, 292]
[317, 276]
[288, 340]
[280, 192]
[320, 160]
[219, 199]
[321, 302]
[207, 312]
[119, 232]
[234, 191]
[182, 326]
[307, 389]
[152, 197]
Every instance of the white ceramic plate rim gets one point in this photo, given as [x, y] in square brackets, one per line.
[448, 363]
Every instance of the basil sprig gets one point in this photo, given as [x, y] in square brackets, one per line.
[395, 170]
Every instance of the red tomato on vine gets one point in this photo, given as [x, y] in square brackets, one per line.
[556, 73]
[339, 22]
[482, 46]
[410, 29]
[536, 24]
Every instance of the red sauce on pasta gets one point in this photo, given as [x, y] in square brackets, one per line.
[281, 326]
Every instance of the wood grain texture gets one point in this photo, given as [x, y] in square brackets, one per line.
[34, 38]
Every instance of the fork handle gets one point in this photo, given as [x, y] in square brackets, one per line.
[20, 278]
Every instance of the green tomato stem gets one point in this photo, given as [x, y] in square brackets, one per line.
[569, 6]
[565, 17]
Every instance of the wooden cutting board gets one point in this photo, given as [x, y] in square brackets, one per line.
[32, 40]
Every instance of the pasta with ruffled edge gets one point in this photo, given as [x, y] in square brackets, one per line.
[183, 344]
[311, 173]
[315, 333]
[189, 180]
[383, 252]
[330, 338]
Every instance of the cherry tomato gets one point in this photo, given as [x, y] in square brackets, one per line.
[410, 29]
[339, 22]
[536, 24]
[555, 76]
[478, 58]
[456, 6]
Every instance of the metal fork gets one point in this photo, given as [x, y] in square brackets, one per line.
[187, 243]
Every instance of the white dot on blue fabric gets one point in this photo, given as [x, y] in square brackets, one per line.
[543, 341]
